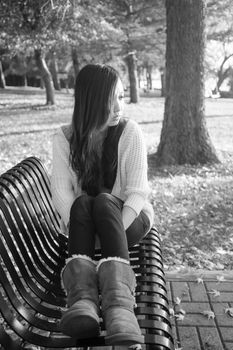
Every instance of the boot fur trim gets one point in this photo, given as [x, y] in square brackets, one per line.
[111, 258]
[135, 347]
[75, 256]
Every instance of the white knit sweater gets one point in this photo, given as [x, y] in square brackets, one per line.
[131, 183]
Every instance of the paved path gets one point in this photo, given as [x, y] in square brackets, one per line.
[202, 302]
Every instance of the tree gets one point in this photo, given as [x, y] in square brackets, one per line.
[31, 25]
[132, 70]
[53, 67]
[2, 78]
[89, 37]
[38, 26]
[153, 57]
[184, 136]
[218, 62]
[151, 47]
[219, 40]
[138, 21]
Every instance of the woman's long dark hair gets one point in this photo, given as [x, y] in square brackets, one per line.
[94, 91]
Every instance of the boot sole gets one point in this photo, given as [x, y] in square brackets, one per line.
[80, 327]
[124, 339]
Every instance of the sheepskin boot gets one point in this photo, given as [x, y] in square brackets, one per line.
[117, 286]
[79, 278]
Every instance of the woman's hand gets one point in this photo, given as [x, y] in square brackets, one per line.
[128, 216]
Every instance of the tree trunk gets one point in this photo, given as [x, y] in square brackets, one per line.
[46, 77]
[163, 81]
[140, 73]
[2, 78]
[41, 84]
[25, 81]
[75, 61]
[149, 77]
[133, 79]
[53, 70]
[184, 136]
[231, 82]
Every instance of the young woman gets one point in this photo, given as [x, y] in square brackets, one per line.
[100, 188]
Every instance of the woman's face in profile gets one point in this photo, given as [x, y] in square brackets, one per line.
[118, 104]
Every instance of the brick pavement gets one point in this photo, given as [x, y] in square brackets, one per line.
[201, 302]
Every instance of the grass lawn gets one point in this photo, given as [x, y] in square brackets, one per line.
[193, 205]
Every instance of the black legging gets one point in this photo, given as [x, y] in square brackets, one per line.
[101, 216]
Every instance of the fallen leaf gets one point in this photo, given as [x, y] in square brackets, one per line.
[182, 311]
[220, 278]
[215, 293]
[200, 280]
[177, 301]
[229, 310]
[209, 314]
[171, 312]
[179, 317]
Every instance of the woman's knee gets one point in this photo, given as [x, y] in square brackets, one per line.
[81, 206]
[106, 203]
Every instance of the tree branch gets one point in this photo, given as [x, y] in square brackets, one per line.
[226, 58]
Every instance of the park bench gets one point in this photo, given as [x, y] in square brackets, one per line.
[32, 254]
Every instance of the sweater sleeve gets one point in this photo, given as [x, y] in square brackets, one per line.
[137, 186]
[63, 194]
